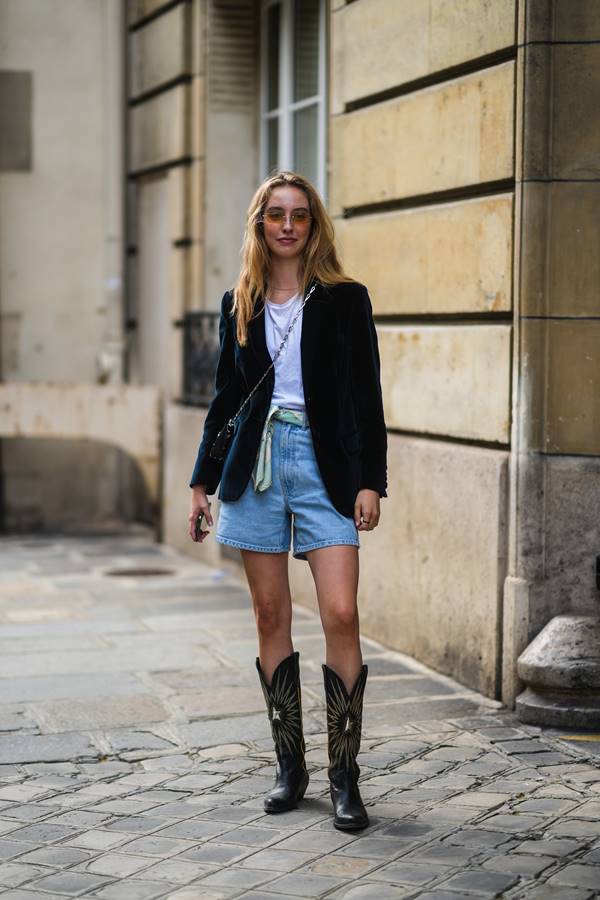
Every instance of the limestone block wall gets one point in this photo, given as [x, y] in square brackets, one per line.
[166, 62]
[61, 248]
[554, 528]
[421, 180]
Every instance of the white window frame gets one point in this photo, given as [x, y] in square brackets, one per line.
[284, 112]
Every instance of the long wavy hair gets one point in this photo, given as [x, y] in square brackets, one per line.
[319, 258]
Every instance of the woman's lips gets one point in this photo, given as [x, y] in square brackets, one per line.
[287, 240]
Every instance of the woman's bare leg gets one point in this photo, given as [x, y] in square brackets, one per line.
[335, 572]
[268, 580]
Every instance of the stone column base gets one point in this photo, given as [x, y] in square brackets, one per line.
[561, 668]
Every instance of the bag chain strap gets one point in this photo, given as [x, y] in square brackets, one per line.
[256, 386]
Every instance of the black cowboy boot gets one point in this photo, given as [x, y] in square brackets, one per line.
[344, 726]
[285, 715]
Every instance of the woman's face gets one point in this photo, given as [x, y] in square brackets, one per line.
[287, 239]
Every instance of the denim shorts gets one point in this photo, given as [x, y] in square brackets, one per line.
[262, 520]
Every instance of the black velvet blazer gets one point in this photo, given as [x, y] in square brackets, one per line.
[342, 392]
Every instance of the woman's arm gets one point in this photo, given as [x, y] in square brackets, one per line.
[365, 368]
[225, 403]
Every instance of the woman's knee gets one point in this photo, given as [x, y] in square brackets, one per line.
[341, 617]
[272, 614]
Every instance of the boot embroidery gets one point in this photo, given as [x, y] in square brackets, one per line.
[285, 712]
[344, 715]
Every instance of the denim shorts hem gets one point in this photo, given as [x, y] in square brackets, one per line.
[317, 544]
[243, 546]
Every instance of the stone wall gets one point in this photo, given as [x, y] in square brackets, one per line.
[61, 246]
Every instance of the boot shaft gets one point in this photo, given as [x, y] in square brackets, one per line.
[344, 720]
[284, 705]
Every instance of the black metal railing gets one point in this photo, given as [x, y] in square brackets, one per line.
[200, 357]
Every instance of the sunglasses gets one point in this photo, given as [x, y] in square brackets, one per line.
[277, 217]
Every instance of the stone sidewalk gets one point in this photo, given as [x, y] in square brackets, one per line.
[135, 749]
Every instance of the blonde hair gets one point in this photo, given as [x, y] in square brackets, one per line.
[319, 258]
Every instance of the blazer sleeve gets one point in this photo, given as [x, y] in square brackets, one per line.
[368, 398]
[225, 403]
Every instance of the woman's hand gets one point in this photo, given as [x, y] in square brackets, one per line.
[366, 509]
[199, 504]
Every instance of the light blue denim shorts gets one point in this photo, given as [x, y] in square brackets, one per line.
[296, 500]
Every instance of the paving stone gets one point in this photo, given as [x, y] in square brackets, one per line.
[43, 833]
[196, 829]
[553, 847]
[177, 871]
[407, 829]
[442, 854]
[477, 837]
[518, 864]
[69, 883]
[513, 822]
[373, 847]
[137, 824]
[250, 835]
[277, 860]
[454, 754]
[124, 807]
[573, 828]
[545, 806]
[315, 840]
[97, 839]
[408, 873]
[213, 853]
[456, 815]
[157, 845]
[26, 894]
[304, 885]
[129, 741]
[118, 865]
[45, 747]
[233, 877]
[478, 799]
[14, 874]
[344, 866]
[552, 892]
[371, 889]
[136, 890]
[57, 857]
[588, 810]
[29, 812]
[577, 875]
[490, 883]
[81, 818]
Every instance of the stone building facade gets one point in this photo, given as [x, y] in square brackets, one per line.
[456, 147]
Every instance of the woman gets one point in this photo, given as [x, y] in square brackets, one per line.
[311, 442]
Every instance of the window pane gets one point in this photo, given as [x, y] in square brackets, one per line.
[272, 141]
[273, 16]
[306, 48]
[305, 142]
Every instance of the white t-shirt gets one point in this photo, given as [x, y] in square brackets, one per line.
[288, 389]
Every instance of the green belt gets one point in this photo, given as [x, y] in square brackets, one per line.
[261, 473]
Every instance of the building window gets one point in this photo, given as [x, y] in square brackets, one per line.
[293, 90]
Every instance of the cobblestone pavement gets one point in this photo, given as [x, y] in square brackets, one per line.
[135, 749]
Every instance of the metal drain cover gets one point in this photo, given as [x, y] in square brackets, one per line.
[139, 572]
